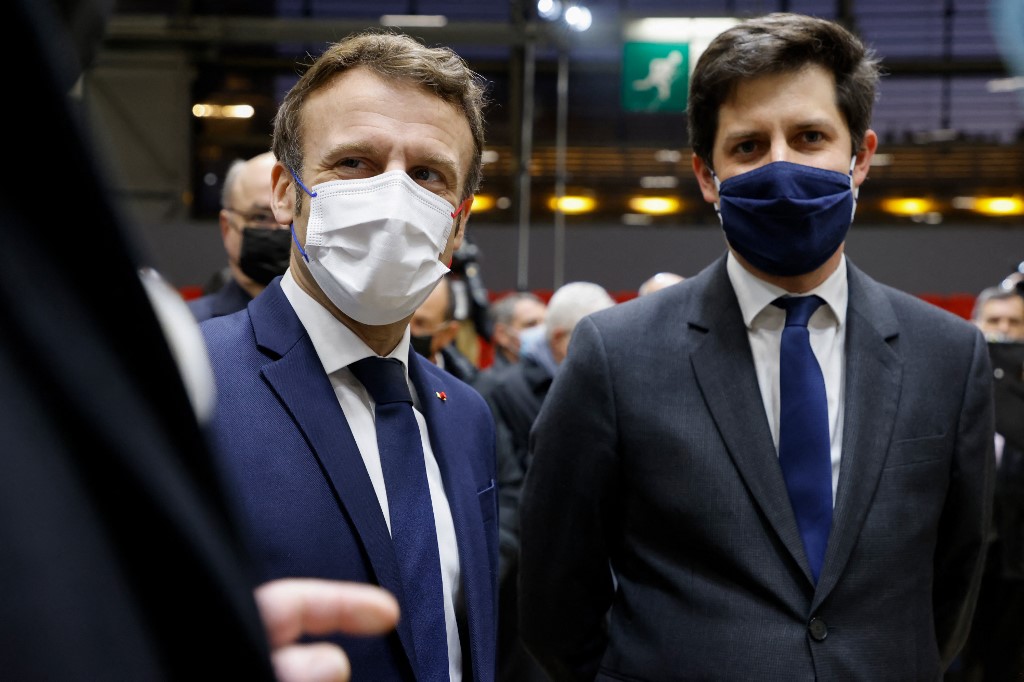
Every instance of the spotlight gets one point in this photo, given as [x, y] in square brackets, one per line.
[578, 18]
[549, 10]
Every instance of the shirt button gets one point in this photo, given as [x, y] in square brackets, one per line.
[818, 629]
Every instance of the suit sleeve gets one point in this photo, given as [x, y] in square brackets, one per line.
[967, 516]
[565, 582]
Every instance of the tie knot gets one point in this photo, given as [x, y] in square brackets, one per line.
[384, 378]
[798, 308]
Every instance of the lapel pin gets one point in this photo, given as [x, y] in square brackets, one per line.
[441, 395]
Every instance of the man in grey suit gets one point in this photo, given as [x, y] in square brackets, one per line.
[664, 536]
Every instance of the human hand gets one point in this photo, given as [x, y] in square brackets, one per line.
[293, 607]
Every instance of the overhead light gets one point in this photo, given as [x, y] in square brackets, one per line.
[993, 206]
[488, 156]
[572, 205]
[999, 206]
[908, 206]
[659, 182]
[655, 205]
[1005, 84]
[578, 17]
[223, 110]
[636, 219]
[414, 20]
[881, 160]
[668, 155]
[549, 10]
[482, 202]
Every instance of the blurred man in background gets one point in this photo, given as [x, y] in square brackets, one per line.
[433, 330]
[999, 314]
[256, 245]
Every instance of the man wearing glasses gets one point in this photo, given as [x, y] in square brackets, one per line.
[256, 245]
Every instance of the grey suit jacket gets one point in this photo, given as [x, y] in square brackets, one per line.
[658, 540]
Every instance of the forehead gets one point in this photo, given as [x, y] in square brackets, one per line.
[1004, 307]
[360, 107]
[781, 100]
[526, 308]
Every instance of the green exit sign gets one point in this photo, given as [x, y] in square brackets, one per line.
[655, 76]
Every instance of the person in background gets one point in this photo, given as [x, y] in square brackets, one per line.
[515, 402]
[509, 316]
[347, 454]
[778, 468]
[995, 646]
[257, 246]
[433, 329]
[999, 314]
[102, 438]
[658, 281]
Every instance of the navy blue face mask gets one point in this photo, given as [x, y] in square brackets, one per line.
[785, 218]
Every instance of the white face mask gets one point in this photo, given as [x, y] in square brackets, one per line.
[373, 244]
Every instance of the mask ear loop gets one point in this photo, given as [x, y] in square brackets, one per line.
[853, 190]
[292, 225]
[464, 206]
[718, 188]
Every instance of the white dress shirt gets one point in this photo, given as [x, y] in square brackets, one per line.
[338, 347]
[827, 330]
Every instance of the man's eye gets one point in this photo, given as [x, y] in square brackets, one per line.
[746, 147]
[426, 175]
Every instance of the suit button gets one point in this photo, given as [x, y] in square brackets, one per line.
[818, 629]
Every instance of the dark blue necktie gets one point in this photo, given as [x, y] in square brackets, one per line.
[412, 516]
[804, 447]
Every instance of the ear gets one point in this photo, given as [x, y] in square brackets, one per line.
[706, 179]
[864, 156]
[225, 226]
[447, 333]
[283, 197]
[464, 209]
[559, 343]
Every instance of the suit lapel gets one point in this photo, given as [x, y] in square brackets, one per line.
[873, 382]
[447, 438]
[299, 381]
[724, 367]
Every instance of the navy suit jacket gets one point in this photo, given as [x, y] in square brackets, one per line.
[228, 299]
[305, 498]
[654, 454]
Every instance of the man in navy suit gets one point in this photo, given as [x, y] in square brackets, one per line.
[662, 537]
[379, 153]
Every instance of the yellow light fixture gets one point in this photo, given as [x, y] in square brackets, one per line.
[999, 206]
[223, 110]
[482, 203]
[572, 205]
[655, 205]
[908, 206]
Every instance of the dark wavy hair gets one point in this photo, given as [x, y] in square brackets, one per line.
[779, 43]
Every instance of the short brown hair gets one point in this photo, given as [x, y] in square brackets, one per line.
[779, 43]
[396, 57]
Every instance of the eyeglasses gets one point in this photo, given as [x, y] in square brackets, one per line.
[259, 217]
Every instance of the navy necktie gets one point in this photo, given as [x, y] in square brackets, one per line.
[412, 516]
[804, 446]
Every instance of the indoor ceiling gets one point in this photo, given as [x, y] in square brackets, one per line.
[949, 117]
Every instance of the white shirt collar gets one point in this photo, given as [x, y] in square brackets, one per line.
[336, 345]
[754, 294]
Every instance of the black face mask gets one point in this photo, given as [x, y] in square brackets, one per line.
[265, 253]
[421, 344]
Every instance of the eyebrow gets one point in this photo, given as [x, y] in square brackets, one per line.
[442, 162]
[808, 124]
